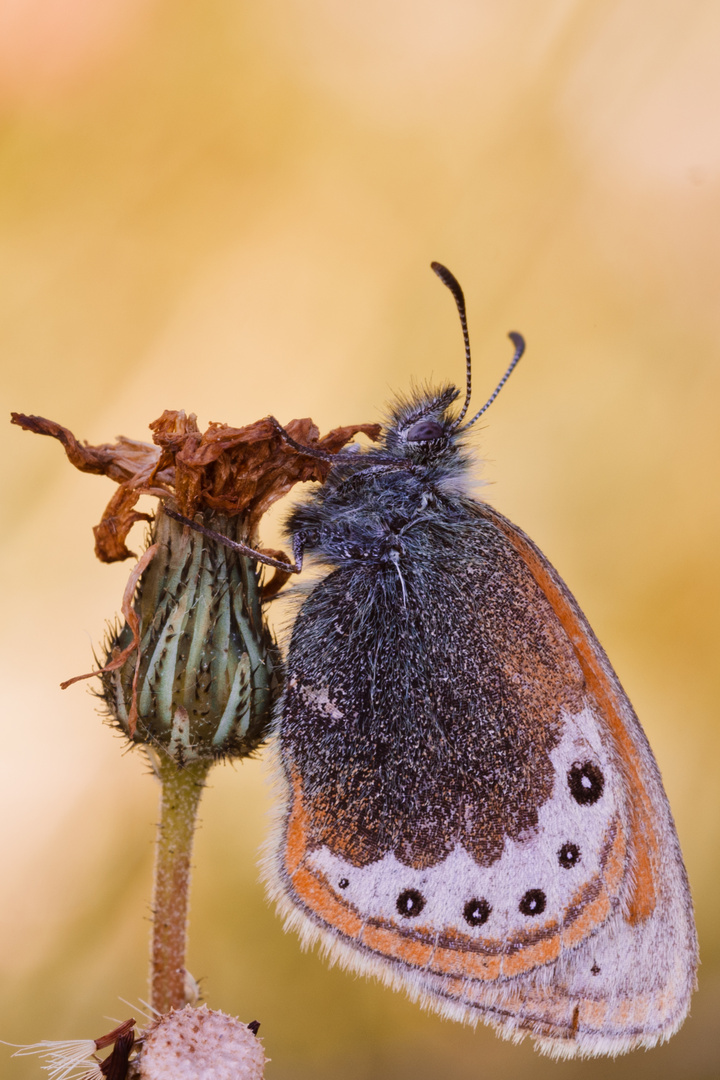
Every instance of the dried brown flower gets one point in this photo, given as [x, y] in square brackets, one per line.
[195, 668]
[239, 472]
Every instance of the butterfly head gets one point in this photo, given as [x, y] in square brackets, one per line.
[422, 428]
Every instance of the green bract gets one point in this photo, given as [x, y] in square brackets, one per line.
[209, 670]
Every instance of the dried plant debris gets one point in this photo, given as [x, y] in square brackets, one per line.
[194, 668]
[234, 471]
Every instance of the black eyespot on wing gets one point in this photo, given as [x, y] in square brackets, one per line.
[594, 970]
[569, 855]
[586, 783]
[424, 431]
[343, 883]
[476, 912]
[410, 903]
[533, 902]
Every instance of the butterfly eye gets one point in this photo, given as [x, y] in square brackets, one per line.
[424, 431]
[586, 783]
[477, 912]
[533, 902]
[410, 903]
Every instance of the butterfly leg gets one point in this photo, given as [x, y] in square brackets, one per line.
[351, 455]
[298, 550]
[310, 451]
[235, 545]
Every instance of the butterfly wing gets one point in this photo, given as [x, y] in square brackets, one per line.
[472, 809]
[628, 982]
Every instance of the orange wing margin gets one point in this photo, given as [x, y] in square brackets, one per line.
[426, 949]
[612, 701]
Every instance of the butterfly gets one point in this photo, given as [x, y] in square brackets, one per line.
[471, 810]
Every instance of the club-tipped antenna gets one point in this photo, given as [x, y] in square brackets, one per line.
[453, 285]
[519, 342]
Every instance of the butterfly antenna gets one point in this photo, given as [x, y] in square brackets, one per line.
[519, 342]
[453, 285]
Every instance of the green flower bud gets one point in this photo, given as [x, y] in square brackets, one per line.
[195, 670]
[208, 671]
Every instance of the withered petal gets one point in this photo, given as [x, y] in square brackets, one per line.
[126, 459]
[112, 1036]
[171, 429]
[274, 584]
[133, 622]
[94, 459]
[117, 521]
[235, 471]
[341, 436]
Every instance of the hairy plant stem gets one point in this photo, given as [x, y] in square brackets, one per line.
[181, 792]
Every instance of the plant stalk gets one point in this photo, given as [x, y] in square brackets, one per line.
[181, 792]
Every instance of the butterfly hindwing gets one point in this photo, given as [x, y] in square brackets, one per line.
[486, 824]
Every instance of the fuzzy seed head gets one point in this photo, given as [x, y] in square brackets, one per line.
[200, 1044]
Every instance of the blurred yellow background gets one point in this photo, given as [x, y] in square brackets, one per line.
[230, 208]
